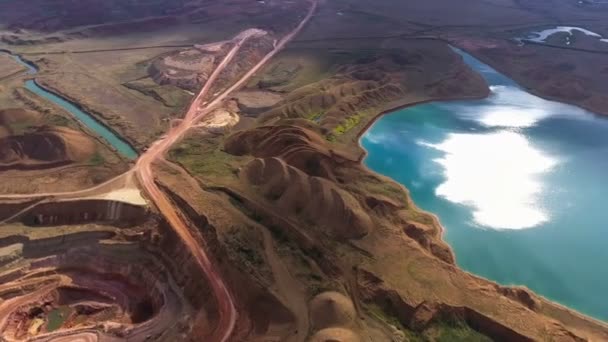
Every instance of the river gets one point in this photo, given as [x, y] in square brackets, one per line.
[86, 119]
[518, 182]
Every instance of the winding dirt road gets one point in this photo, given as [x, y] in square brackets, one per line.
[143, 169]
[227, 311]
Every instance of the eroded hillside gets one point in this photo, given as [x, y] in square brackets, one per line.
[268, 183]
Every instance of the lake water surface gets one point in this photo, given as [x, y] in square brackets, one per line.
[541, 36]
[519, 183]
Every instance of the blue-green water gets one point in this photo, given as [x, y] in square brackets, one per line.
[518, 182]
[119, 144]
[86, 119]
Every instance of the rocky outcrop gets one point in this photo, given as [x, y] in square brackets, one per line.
[427, 239]
[521, 295]
[255, 102]
[418, 316]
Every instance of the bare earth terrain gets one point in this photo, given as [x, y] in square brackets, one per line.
[248, 215]
[8, 67]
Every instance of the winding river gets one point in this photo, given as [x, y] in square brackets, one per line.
[518, 182]
[88, 120]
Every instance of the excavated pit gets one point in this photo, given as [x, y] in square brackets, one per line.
[77, 287]
[132, 283]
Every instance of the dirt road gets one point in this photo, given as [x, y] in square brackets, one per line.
[143, 169]
[227, 311]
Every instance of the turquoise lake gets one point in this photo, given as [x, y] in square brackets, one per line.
[114, 140]
[518, 182]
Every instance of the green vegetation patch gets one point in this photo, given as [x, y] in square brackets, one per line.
[297, 67]
[441, 331]
[22, 127]
[57, 317]
[240, 240]
[169, 95]
[315, 116]
[97, 159]
[371, 185]
[203, 157]
[416, 215]
[376, 311]
[247, 248]
[454, 332]
[348, 124]
[58, 120]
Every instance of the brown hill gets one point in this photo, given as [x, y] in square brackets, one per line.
[11, 116]
[45, 147]
[332, 309]
[335, 335]
[297, 146]
[316, 199]
[354, 87]
[187, 69]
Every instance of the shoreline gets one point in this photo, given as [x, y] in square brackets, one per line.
[93, 117]
[504, 71]
[436, 219]
[391, 110]
[33, 69]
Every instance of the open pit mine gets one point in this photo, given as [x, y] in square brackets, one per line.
[195, 170]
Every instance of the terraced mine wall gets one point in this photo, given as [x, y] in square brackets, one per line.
[86, 257]
[38, 248]
[83, 211]
[188, 276]
[36, 166]
[122, 275]
[56, 245]
[9, 209]
[109, 260]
